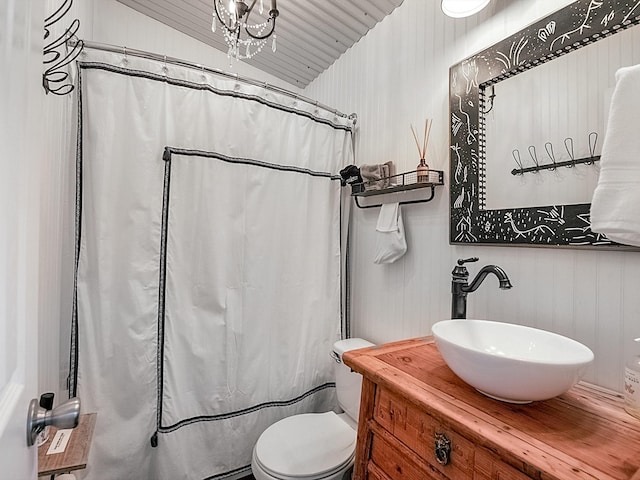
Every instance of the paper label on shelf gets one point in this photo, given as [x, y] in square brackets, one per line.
[59, 442]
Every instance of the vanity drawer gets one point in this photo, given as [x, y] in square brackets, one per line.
[393, 464]
[374, 472]
[490, 467]
[420, 432]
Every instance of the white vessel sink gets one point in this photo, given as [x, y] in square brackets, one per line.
[511, 362]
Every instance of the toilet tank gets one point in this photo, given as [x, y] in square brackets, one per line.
[348, 383]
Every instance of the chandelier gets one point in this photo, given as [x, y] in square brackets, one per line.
[233, 15]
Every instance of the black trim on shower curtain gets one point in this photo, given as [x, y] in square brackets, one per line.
[168, 151]
[230, 473]
[162, 288]
[245, 411]
[167, 157]
[72, 379]
[347, 287]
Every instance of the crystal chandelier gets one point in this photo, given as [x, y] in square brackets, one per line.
[233, 15]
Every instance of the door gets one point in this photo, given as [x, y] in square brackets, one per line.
[21, 40]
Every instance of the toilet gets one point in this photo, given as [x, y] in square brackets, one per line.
[315, 446]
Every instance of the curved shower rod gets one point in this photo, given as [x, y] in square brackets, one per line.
[184, 63]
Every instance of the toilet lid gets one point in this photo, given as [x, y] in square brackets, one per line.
[307, 445]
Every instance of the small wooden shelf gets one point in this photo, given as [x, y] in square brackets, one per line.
[398, 183]
[75, 455]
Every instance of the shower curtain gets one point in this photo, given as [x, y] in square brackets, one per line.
[207, 289]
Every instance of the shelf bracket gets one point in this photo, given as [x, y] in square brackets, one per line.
[422, 200]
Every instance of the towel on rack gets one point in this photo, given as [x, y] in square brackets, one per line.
[390, 241]
[377, 177]
[615, 208]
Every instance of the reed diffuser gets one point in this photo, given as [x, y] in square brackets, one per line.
[422, 170]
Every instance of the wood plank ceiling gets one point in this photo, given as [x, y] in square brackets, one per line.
[311, 34]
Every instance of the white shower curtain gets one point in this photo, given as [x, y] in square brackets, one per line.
[208, 265]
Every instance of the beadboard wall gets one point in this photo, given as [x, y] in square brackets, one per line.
[56, 227]
[398, 75]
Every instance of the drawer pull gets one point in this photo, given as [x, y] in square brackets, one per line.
[442, 449]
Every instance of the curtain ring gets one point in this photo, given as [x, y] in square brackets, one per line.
[125, 59]
[165, 69]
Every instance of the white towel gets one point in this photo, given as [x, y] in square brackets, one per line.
[615, 208]
[390, 241]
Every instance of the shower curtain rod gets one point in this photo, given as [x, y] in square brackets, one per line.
[184, 63]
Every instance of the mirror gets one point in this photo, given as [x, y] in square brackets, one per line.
[504, 187]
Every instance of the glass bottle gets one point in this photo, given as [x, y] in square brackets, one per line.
[423, 172]
[632, 381]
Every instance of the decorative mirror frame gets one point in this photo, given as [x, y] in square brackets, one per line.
[575, 26]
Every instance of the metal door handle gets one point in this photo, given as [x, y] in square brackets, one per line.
[65, 415]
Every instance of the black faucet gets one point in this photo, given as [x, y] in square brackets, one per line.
[460, 286]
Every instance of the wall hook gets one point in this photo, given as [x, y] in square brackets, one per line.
[568, 145]
[549, 149]
[593, 140]
[534, 157]
[516, 157]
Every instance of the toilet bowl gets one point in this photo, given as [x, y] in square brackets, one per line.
[315, 446]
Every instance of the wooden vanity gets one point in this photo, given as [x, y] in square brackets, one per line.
[419, 421]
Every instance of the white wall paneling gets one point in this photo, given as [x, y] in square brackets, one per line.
[56, 224]
[398, 75]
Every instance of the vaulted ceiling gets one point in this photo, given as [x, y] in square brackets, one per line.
[311, 34]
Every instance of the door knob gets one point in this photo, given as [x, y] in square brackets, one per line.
[65, 415]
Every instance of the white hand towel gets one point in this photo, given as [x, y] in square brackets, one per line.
[615, 208]
[390, 241]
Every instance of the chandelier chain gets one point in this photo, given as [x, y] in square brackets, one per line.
[234, 19]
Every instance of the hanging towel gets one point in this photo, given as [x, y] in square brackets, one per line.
[615, 208]
[390, 241]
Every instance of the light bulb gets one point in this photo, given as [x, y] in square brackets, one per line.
[463, 8]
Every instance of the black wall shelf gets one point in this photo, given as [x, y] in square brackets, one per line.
[398, 183]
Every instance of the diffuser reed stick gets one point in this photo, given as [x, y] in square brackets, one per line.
[423, 169]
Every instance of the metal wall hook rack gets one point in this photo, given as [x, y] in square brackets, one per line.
[402, 182]
[553, 165]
